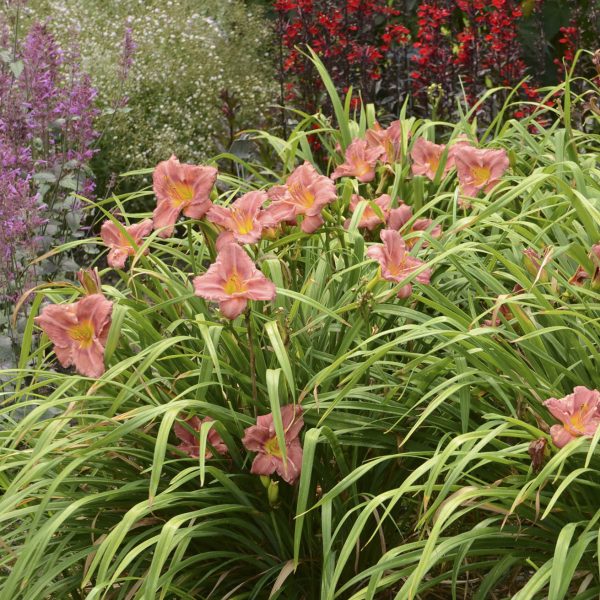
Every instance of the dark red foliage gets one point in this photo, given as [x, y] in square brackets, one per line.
[352, 38]
[442, 51]
[473, 41]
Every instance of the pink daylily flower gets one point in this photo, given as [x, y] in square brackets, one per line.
[79, 332]
[424, 225]
[232, 280]
[360, 162]
[396, 263]
[262, 439]
[306, 192]
[388, 142]
[478, 168]
[579, 413]
[370, 219]
[120, 246]
[241, 220]
[400, 216]
[190, 442]
[426, 157]
[181, 188]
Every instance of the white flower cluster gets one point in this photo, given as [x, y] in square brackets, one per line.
[188, 52]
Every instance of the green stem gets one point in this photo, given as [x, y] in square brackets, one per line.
[340, 236]
[191, 245]
[252, 359]
[381, 185]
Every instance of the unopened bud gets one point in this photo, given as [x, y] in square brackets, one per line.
[533, 263]
[369, 287]
[90, 281]
[270, 233]
[266, 481]
[273, 493]
[405, 291]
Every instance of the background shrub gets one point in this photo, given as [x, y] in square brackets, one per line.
[201, 73]
[431, 53]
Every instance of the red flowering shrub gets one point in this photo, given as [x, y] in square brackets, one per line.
[352, 38]
[439, 52]
[581, 31]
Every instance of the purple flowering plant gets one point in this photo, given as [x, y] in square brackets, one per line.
[47, 138]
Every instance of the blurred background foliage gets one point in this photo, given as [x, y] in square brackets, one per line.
[201, 73]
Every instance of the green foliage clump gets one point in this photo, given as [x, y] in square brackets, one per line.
[417, 479]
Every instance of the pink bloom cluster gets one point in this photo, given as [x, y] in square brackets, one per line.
[233, 279]
[361, 156]
[477, 168]
[79, 330]
[393, 218]
[260, 438]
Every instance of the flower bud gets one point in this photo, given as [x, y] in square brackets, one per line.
[273, 493]
[270, 233]
[533, 263]
[369, 287]
[266, 481]
[90, 281]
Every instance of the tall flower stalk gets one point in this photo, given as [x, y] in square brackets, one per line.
[47, 134]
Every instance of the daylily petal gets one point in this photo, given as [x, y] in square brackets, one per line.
[560, 436]
[233, 307]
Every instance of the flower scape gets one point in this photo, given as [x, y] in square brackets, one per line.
[369, 371]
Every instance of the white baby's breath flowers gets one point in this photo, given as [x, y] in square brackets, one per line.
[187, 55]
